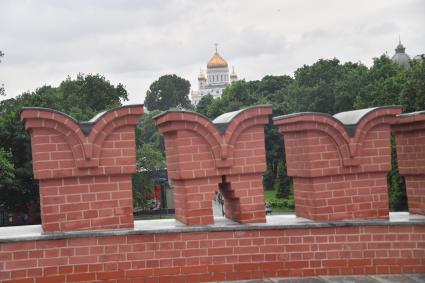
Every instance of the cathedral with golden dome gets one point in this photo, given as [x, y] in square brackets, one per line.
[216, 79]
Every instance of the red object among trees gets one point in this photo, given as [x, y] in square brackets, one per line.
[157, 192]
[84, 169]
[227, 154]
[339, 163]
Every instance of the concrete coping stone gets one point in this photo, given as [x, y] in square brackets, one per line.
[164, 226]
[348, 119]
[417, 113]
[353, 117]
[221, 122]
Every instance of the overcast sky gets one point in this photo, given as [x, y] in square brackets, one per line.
[134, 42]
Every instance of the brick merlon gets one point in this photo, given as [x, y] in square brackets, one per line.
[347, 129]
[84, 138]
[85, 126]
[221, 132]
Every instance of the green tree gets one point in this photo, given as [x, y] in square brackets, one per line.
[147, 132]
[150, 158]
[413, 93]
[167, 92]
[204, 104]
[313, 89]
[275, 155]
[268, 180]
[327, 86]
[8, 188]
[239, 94]
[7, 170]
[14, 140]
[265, 89]
[282, 182]
[82, 98]
[274, 90]
[351, 85]
[384, 86]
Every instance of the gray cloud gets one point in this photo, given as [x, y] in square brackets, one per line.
[382, 29]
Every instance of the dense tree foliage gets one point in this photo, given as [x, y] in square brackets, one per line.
[384, 85]
[204, 104]
[326, 86]
[167, 92]
[413, 92]
[81, 98]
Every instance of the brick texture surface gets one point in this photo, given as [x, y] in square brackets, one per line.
[409, 131]
[85, 179]
[217, 256]
[337, 175]
[201, 160]
[85, 184]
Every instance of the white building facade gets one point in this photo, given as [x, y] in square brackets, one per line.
[216, 79]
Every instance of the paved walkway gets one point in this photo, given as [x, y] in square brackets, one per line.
[395, 278]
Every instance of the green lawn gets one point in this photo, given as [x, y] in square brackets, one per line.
[270, 197]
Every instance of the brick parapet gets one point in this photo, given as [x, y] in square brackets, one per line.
[202, 254]
[202, 154]
[84, 169]
[409, 131]
[339, 163]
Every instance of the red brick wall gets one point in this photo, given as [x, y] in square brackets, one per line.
[85, 184]
[338, 176]
[85, 180]
[200, 158]
[216, 256]
[354, 196]
[409, 131]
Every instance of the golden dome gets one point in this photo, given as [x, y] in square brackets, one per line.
[217, 61]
